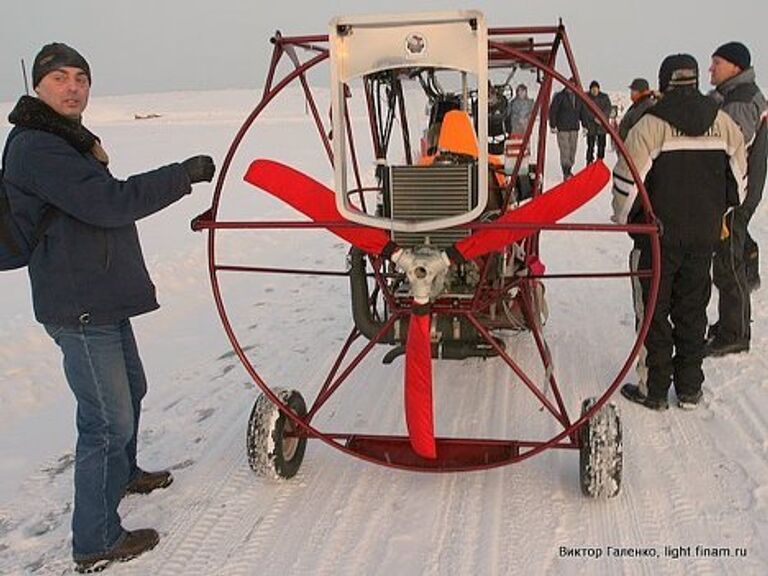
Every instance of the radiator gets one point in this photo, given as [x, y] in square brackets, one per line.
[427, 193]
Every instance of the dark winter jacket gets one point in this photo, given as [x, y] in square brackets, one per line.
[692, 159]
[88, 267]
[564, 111]
[742, 100]
[588, 119]
[635, 112]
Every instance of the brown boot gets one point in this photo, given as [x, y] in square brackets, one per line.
[146, 482]
[132, 545]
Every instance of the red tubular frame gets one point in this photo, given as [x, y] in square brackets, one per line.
[454, 454]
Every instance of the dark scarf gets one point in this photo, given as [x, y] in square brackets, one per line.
[35, 114]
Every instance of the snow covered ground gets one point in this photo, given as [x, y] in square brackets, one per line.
[695, 483]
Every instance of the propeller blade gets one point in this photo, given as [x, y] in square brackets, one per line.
[314, 200]
[546, 208]
[418, 387]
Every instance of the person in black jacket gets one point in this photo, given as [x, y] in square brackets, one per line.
[734, 267]
[595, 130]
[564, 121]
[88, 279]
[642, 98]
[691, 157]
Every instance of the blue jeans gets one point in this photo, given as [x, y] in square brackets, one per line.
[104, 371]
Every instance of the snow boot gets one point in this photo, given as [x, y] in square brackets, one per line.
[718, 346]
[689, 401]
[147, 482]
[633, 393]
[134, 544]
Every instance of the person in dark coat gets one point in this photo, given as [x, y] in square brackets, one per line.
[88, 279]
[691, 157]
[595, 130]
[642, 98]
[735, 266]
[564, 121]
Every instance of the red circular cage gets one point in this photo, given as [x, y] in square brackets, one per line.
[537, 49]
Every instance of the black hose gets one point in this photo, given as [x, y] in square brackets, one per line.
[361, 306]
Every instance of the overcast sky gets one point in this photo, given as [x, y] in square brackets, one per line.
[162, 45]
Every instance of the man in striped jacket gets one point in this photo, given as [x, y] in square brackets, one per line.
[691, 157]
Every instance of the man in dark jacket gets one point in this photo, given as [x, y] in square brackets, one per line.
[642, 98]
[88, 279]
[564, 121]
[595, 130]
[692, 159]
[735, 267]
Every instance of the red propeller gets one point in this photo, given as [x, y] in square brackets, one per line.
[313, 199]
[318, 202]
[546, 208]
[419, 413]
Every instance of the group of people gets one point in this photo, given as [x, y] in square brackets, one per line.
[702, 159]
[567, 114]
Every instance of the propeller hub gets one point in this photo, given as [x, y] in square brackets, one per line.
[425, 268]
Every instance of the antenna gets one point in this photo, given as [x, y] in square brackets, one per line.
[24, 74]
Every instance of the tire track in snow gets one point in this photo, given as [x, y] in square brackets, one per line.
[278, 545]
[221, 460]
[217, 532]
[751, 425]
[586, 522]
[645, 508]
[735, 432]
[258, 523]
[731, 441]
[695, 494]
[661, 432]
[191, 525]
[367, 496]
[373, 491]
[198, 531]
[332, 516]
[248, 520]
[624, 520]
[470, 520]
[518, 487]
[449, 545]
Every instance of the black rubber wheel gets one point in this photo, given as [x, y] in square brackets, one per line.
[601, 452]
[274, 448]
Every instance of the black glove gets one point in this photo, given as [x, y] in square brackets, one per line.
[199, 168]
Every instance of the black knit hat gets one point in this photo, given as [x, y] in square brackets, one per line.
[594, 84]
[678, 70]
[640, 85]
[54, 56]
[736, 53]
